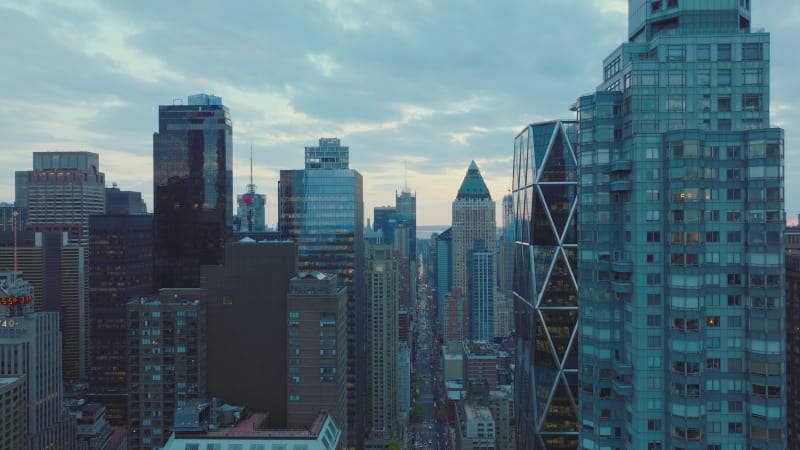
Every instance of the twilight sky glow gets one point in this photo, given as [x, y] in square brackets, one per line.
[423, 84]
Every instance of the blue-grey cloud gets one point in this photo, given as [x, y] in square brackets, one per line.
[417, 88]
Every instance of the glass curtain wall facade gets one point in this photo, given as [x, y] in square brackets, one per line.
[321, 208]
[192, 189]
[545, 288]
[681, 253]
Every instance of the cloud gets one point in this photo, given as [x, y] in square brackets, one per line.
[417, 89]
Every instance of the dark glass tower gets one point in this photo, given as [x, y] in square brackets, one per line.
[545, 288]
[192, 189]
[120, 268]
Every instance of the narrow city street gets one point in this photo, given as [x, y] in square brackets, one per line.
[428, 403]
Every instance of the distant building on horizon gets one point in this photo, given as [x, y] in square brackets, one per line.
[124, 202]
[192, 189]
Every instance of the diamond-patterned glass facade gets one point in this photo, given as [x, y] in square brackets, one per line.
[545, 287]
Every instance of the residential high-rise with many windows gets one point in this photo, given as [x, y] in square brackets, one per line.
[382, 273]
[192, 189]
[680, 233]
[321, 208]
[545, 289]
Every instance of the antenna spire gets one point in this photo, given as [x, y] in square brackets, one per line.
[251, 161]
[405, 174]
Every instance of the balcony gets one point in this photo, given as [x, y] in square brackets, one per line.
[623, 368]
[622, 286]
[621, 185]
[622, 388]
[622, 266]
[621, 166]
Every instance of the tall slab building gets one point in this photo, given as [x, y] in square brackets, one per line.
[192, 189]
[321, 208]
[545, 289]
[681, 221]
[473, 219]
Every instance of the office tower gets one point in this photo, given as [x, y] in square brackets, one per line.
[382, 283]
[30, 344]
[475, 428]
[321, 208]
[167, 362]
[57, 271]
[120, 268]
[501, 405]
[792, 261]
[480, 364]
[246, 308]
[92, 430]
[61, 192]
[124, 202]
[505, 248]
[385, 219]
[317, 334]
[454, 319]
[251, 215]
[7, 217]
[14, 414]
[406, 205]
[443, 245]
[192, 189]
[481, 284]
[681, 222]
[473, 218]
[545, 290]
[404, 379]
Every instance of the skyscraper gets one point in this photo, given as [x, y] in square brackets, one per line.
[473, 218]
[61, 192]
[192, 189]
[382, 298]
[251, 215]
[30, 349]
[482, 288]
[57, 271]
[322, 209]
[247, 307]
[681, 221]
[167, 362]
[545, 289]
[317, 333]
[120, 268]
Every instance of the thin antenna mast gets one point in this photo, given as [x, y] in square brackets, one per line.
[405, 174]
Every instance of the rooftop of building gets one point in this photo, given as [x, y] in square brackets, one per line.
[477, 349]
[5, 381]
[473, 186]
[314, 276]
[473, 411]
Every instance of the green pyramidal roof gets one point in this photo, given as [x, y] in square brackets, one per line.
[473, 185]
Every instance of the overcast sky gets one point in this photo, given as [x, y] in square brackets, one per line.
[416, 88]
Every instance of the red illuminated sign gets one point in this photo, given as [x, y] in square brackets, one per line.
[16, 300]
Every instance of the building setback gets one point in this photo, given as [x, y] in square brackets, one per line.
[192, 189]
[246, 304]
[317, 336]
[682, 341]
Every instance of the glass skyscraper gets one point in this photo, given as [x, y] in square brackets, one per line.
[192, 189]
[545, 290]
[680, 235]
[321, 208]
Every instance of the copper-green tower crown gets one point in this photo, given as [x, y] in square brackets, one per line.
[473, 185]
